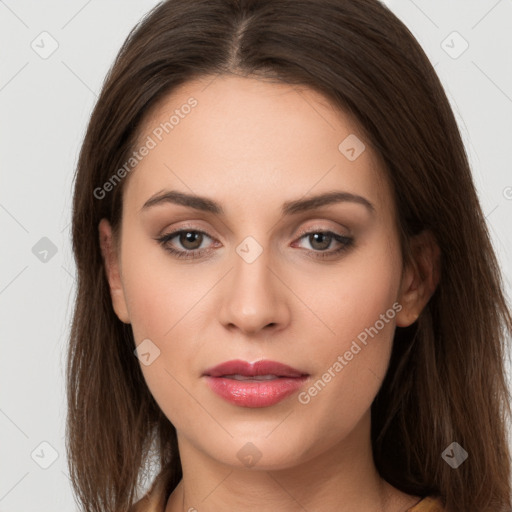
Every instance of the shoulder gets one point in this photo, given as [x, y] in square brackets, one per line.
[154, 500]
[428, 504]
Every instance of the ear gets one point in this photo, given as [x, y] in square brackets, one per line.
[419, 279]
[111, 263]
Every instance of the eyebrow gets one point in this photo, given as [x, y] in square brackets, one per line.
[289, 208]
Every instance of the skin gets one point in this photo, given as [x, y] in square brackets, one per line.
[252, 145]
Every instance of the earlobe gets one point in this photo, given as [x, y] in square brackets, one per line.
[111, 266]
[420, 278]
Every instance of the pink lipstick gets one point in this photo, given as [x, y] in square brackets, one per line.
[260, 384]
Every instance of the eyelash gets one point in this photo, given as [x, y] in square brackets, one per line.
[346, 242]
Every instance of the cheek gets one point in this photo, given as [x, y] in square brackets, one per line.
[157, 289]
[166, 305]
[350, 297]
[357, 306]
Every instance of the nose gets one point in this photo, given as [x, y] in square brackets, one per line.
[254, 296]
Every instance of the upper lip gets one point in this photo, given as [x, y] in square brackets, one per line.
[263, 367]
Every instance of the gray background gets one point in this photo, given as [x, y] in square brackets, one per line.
[45, 105]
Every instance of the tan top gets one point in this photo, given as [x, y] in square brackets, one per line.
[156, 501]
[428, 504]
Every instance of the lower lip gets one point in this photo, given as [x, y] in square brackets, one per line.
[246, 393]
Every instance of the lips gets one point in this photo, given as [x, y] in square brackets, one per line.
[262, 368]
[260, 384]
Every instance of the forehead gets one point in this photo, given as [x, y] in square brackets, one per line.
[238, 139]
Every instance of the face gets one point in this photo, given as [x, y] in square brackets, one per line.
[256, 275]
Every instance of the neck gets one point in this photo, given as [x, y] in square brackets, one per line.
[341, 477]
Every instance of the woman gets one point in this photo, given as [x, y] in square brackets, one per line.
[286, 289]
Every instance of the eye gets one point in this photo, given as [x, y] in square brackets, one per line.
[190, 239]
[322, 240]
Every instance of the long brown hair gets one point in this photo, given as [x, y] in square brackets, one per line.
[446, 380]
